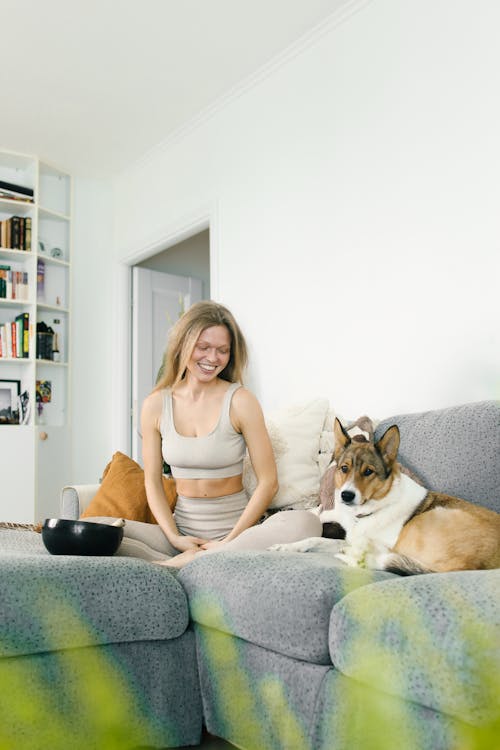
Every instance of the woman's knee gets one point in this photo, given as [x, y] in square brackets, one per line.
[304, 521]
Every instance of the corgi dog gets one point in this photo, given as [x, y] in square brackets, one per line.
[393, 523]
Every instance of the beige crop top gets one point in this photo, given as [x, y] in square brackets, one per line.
[214, 456]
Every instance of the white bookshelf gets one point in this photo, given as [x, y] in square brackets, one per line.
[35, 455]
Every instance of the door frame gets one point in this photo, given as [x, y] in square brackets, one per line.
[121, 397]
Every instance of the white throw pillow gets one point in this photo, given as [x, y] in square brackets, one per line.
[295, 434]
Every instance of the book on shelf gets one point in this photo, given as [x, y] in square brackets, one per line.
[27, 233]
[6, 339]
[15, 233]
[15, 337]
[23, 334]
[4, 272]
[16, 192]
[13, 284]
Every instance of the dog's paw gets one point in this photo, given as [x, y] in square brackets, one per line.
[351, 557]
[290, 547]
[311, 544]
[348, 559]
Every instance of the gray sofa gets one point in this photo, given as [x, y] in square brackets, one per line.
[297, 651]
[95, 653]
[284, 651]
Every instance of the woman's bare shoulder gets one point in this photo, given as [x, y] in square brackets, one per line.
[246, 404]
[153, 404]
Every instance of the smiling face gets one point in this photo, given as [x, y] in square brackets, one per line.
[211, 354]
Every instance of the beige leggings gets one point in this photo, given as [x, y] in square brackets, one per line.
[149, 542]
[280, 528]
[213, 518]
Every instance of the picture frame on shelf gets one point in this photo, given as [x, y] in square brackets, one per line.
[10, 391]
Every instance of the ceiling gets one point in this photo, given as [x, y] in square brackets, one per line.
[91, 85]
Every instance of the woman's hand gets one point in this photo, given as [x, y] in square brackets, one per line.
[183, 543]
[214, 544]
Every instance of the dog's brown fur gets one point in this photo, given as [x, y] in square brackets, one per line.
[443, 533]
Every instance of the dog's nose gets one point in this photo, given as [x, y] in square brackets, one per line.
[347, 496]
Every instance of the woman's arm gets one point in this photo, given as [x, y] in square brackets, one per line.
[249, 419]
[153, 473]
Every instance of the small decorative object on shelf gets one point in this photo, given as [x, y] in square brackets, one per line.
[43, 396]
[44, 341]
[40, 279]
[56, 354]
[24, 407]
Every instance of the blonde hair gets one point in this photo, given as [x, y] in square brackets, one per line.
[186, 332]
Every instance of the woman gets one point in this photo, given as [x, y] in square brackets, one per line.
[200, 420]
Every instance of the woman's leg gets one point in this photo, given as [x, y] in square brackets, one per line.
[280, 528]
[144, 540]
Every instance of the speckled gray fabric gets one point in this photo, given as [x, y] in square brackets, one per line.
[56, 602]
[115, 696]
[276, 600]
[432, 639]
[255, 698]
[261, 700]
[350, 716]
[455, 451]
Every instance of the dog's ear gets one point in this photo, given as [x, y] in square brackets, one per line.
[342, 439]
[388, 445]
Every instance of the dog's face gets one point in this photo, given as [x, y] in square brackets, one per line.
[365, 471]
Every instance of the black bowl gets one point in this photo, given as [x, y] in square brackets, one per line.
[62, 536]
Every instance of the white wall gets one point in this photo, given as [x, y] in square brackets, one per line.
[356, 194]
[93, 372]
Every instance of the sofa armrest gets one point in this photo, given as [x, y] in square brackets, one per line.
[75, 498]
[431, 639]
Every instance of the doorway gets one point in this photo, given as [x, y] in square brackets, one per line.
[191, 257]
[163, 286]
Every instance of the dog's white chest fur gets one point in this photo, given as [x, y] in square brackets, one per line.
[382, 520]
[371, 529]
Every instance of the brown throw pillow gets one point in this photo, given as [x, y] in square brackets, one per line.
[122, 493]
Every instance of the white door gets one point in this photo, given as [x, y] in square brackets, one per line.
[158, 301]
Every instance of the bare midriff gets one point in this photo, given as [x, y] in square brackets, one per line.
[209, 487]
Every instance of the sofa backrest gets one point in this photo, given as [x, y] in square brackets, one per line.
[455, 450]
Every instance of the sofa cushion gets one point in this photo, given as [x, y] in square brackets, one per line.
[53, 602]
[295, 437]
[433, 639]
[281, 601]
[122, 493]
[453, 450]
